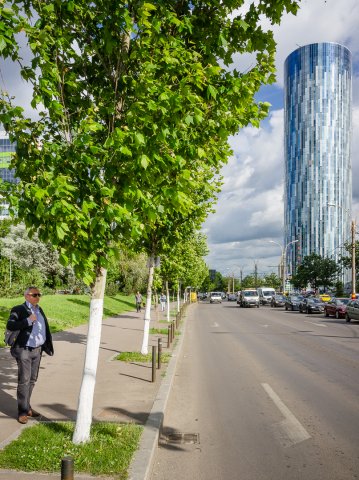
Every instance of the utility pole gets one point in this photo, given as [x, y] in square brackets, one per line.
[353, 261]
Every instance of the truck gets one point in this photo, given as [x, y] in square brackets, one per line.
[265, 295]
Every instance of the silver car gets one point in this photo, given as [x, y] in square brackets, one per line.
[352, 310]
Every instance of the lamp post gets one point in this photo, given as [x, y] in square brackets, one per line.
[353, 232]
[283, 262]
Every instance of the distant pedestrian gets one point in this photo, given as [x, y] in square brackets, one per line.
[138, 298]
[34, 337]
[163, 300]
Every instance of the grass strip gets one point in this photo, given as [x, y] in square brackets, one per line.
[40, 448]
[139, 357]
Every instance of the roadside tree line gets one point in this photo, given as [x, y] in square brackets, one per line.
[134, 107]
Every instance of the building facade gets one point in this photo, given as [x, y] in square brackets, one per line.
[317, 139]
[7, 174]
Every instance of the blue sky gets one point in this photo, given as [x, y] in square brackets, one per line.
[249, 211]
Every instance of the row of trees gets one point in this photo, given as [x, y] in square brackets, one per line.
[134, 108]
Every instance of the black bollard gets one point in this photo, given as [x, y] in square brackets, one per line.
[169, 336]
[159, 352]
[67, 468]
[154, 348]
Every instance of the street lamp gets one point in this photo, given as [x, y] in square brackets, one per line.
[353, 232]
[283, 262]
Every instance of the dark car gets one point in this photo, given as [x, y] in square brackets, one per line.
[336, 307]
[352, 310]
[292, 302]
[277, 300]
[311, 305]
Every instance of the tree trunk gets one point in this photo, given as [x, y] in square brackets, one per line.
[178, 297]
[85, 403]
[146, 328]
[168, 302]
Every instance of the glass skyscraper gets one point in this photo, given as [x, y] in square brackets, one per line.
[6, 174]
[317, 138]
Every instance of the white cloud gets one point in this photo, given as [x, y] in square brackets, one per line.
[249, 212]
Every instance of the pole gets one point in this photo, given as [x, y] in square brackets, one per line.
[353, 261]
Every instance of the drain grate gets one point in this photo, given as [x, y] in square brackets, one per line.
[182, 438]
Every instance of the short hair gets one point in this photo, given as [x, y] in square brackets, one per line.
[32, 287]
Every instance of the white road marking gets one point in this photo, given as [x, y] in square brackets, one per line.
[290, 427]
[317, 324]
[265, 326]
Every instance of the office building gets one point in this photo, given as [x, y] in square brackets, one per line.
[317, 138]
[6, 173]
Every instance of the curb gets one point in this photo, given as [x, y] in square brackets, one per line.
[141, 464]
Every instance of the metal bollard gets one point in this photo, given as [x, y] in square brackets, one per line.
[169, 336]
[67, 468]
[173, 331]
[159, 352]
[154, 352]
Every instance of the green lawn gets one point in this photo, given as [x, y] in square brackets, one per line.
[66, 311]
[40, 448]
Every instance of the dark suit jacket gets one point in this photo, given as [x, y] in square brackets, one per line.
[18, 321]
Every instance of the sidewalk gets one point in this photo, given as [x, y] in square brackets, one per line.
[124, 391]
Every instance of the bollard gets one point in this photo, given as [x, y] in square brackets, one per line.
[159, 352]
[169, 336]
[154, 348]
[173, 331]
[67, 468]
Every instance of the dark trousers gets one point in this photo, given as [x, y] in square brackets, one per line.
[138, 306]
[28, 363]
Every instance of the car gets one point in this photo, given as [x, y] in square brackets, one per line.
[336, 307]
[231, 297]
[325, 297]
[278, 300]
[352, 312]
[249, 298]
[292, 302]
[215, 297]
[311, 305]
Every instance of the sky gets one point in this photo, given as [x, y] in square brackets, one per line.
[249, 211]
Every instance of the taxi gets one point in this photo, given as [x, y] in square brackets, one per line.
[325, 297]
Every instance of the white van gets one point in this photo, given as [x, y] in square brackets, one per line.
[248, 298]
[265, 295]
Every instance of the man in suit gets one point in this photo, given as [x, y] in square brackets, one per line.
[34, 338]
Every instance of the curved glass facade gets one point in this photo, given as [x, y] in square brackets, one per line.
[317, 138]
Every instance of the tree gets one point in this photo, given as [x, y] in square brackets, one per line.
[134, 112]
[315, 271]
[346, 260]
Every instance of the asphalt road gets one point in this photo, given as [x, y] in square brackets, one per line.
[263, 394]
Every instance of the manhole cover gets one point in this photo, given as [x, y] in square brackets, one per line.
[181, 438]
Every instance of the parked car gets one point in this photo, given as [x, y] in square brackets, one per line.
[248, 298]
[352, 310]
[336, 307]
[215, 297]
[231, 297]
[325, 297]
[278, 300]
[311, 305]
[292, 302]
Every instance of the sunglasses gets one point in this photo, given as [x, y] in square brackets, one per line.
[34, 294]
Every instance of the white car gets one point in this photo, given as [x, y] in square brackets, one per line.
[215, 297]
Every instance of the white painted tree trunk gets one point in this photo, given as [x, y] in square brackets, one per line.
[146, 328]
[178, 297]
[168, 302]
[87, 390]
